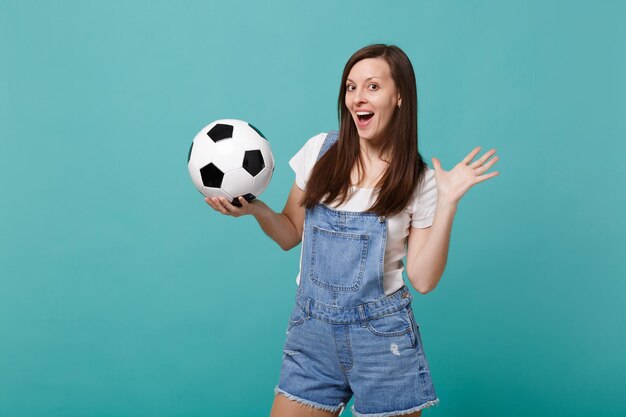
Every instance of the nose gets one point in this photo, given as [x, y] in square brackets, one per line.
[359, 97]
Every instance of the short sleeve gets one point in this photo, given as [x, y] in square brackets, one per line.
[303, 161]
[424, 204]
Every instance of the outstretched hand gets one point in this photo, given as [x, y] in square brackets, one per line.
[453, 184]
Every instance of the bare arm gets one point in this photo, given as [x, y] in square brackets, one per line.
[284, 228]
[427, 251]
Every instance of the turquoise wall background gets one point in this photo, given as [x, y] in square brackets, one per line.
[123, 294]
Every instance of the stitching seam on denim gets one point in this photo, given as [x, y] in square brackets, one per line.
[399, 412]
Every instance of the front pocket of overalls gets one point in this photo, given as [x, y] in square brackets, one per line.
[338, 259]
[395, 324]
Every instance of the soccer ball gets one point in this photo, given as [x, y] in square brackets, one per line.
[230, 158]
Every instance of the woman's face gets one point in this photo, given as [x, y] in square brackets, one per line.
[371, 90]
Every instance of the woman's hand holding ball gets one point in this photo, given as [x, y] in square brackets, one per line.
[225, 207]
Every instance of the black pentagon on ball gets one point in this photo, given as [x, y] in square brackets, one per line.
[249, 197]
[257, 131]
[253, 162]
[189, 156]
[220, 131]
[211, 176]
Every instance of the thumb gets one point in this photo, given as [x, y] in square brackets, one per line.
[436, 164]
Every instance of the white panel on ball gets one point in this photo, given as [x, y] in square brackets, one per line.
[249, 142]
[216, 192]
[227, 155]
[194, 172]
[237, 182]
[267, 156]
[261, 181]
[203, 149]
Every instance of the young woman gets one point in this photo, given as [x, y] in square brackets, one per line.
[363, 198]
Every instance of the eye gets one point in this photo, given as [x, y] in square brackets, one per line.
[348, 87]
[374, 86]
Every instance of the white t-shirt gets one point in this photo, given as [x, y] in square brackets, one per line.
[419, 213]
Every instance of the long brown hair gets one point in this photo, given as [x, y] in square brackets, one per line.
[330, 176]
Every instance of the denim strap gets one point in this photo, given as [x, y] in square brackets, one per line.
[331, 138]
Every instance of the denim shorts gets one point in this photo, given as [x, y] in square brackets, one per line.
[379, 360]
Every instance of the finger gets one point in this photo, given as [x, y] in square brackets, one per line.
[483, 158]
[244, 203]
[487, 176]
[232, 210]
[211, 203]
[485, 168]
[220, 205]
[471, 155]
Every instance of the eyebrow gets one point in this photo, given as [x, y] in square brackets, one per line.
[365, 80]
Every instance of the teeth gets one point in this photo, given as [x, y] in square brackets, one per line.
[363, 113]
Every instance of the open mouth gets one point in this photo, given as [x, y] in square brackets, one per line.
[364, 118]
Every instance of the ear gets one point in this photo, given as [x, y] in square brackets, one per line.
[399, 101]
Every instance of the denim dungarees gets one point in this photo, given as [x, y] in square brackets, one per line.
[345, 337]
